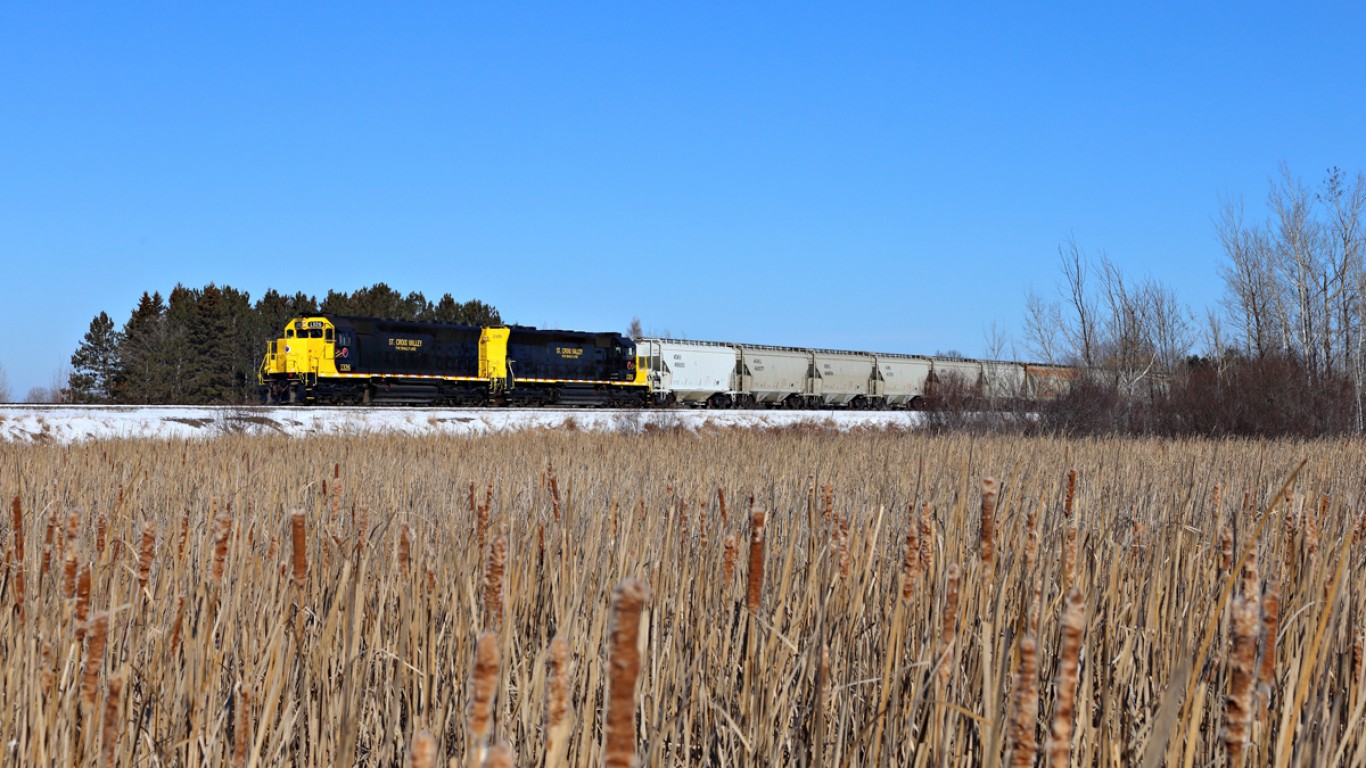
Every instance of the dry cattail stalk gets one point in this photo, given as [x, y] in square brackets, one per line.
[1225, 549]
[1024, 741]
[841, 524]
[729, 555]
[82, 601]
[493, 580]
[988, 525]
[926, 539]
[756, 560]
[1242, 659]
[110, 734]
[628, 602]
[1069, 558]
[299, 548]
[910, 564]
[1071, 493]
[483, 689]
[950, 626]
[500, 756]
[146, 549]
[404, 549]
[1073, 624]
[94, 657]
[241, 726]
[423, 752]
[1271, 617]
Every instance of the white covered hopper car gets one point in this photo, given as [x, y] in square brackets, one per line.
[726, 375]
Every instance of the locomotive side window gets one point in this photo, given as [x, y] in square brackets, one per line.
[289, 333]
[327, 335]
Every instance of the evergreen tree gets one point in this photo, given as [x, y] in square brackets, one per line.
[181, 363]
[95, 365]
[212, 348]
[143, 353]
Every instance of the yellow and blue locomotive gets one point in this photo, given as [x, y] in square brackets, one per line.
[330, 359]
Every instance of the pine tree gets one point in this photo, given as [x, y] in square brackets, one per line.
[142, 352]
[212, 348]
[96, 369]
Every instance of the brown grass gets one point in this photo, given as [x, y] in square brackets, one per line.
[830, 672]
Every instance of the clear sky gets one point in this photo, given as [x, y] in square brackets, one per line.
[866, 176]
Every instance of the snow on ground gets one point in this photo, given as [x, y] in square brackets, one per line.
[65, 424]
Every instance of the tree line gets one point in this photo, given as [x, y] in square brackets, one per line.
[204, 345]
[1281, 355]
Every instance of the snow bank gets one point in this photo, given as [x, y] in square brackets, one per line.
[65, 424]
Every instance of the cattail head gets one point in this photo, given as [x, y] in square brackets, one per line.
[557, 693]
[423, 752]
[1073, 625]
[1071, 493]
[1225, 549]
[299, 543]
[1024, 741]
[557, 684]
[483, 689]
[1242, 658]
[241, 726]
[69, 574]
[82, 601]
[222, 527]
[756, 560]
[17, 512]
[146, 549]
[184, 534]
[109, 739]
[628, 602]
[721, 496]
[730, 553]
[98, 631]
[950, 624]
[1271, 617]
[910, 564]
[499, 756]
[1031, 539]
[988, 523]
[493, 580]
[404, 549]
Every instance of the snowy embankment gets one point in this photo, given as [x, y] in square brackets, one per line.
[64, 424]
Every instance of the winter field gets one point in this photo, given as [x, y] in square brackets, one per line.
[66, 424]
[614, 594]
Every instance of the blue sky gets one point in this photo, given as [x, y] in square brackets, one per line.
[889, 177]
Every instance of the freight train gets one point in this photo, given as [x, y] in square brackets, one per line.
[331, 359]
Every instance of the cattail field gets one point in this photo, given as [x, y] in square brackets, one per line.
[730, 597]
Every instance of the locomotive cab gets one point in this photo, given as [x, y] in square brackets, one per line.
[308, 348]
